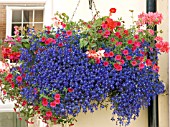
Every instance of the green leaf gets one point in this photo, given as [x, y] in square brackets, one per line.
[83, 43]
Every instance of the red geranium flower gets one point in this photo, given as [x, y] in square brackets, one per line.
[148, 62]
[24, 103]
[9, 77]
[111, 24]
[112, 10]
[130, 42]
[106, 55]
[44, 102]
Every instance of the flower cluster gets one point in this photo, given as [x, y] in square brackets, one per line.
[63, 71]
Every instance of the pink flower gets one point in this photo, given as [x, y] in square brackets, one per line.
[57, 96]
[141, 65]
[48, 41]
[122, 61]
[48, 113]
[43, 39]
[118, 43]
[128, 57]
[57, 102]
[69, 33]
[134, 63]
[53, 104]
[106, 63]
[155, 68]
[57, 35]
[125, 52]
[117, 66]
[137, 44]
[111, 54]
[118, 57]
[107, 33]
[48, 28]
[159, 39]
[104, 25]
[151, 31]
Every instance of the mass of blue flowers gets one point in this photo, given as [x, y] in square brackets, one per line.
[52, 69]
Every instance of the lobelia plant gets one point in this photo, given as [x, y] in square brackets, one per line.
[79, 67]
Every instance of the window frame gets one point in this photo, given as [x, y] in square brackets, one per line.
[9, 16]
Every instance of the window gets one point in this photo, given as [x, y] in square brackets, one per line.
[23, 17]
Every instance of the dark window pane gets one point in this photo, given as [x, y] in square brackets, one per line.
[28, 15]
[16, 16]
[38, 16]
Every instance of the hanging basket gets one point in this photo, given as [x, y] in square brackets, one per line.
[84, 66]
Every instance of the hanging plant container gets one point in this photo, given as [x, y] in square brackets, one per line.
[79, 67]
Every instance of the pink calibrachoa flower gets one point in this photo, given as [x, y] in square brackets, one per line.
[57, 96]
[107, 33]
[43, 39]
[97, 60]
[134, 63]
[151, 31]
[117, 66]
[122, 61]
[111, 54]
[106, 55]
[125, 52]
[57, 35]
[60, 44]
[137, 44]
[118, 43]
[53, 104]
[24, 103]
[155, 68]
[49, 114]
[48, 41]
[141, 65]
[118, 57]
[69, 33]
[106, 63]
[104, 26]
[57, 102]
[128, 57]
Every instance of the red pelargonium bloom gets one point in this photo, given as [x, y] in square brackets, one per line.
[106, 63]
[69, 33]
[53, 104]
[49, 114]
[57, 96]
[24, 103]
[9, 77]
[111, 24]
[48, 41]
[148, 62]
[19, 79]
[112, 10]
[134, 63]
[12, 85]
[118, 57]
[70, 90]
[141, 65]
[44, 102]
[125, 52]
[118, 23]
[130, 42]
